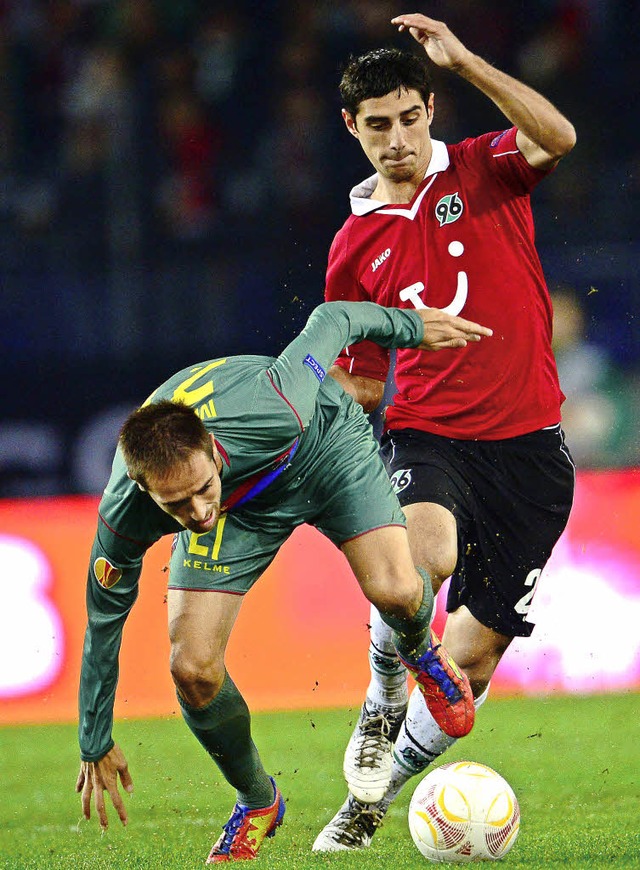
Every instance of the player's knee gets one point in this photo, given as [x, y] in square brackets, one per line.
[439, 565]
[197, 681]
[398, 596]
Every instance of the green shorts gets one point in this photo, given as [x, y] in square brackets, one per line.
[336, 483]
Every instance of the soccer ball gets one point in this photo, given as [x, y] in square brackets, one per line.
[464, 811]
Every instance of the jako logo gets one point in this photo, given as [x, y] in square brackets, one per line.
[107, 574]
[380, 260]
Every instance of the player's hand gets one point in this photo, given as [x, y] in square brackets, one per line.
[101, 776]
[442, 330]
[443, 48]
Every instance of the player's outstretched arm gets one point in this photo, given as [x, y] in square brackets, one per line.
[544, 134]
[96, 777]
[302, 366]
[442, 330]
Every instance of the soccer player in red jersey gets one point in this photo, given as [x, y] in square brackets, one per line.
[472, 441]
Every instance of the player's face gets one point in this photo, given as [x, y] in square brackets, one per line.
[394, 134]
[191, 493]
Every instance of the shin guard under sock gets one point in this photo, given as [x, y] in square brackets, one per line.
[223, 727]
[411, 636]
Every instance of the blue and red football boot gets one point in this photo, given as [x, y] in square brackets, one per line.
[246, 830]
[445, 687]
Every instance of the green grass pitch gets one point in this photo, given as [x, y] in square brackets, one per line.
[574, 763]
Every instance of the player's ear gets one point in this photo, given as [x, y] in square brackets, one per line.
[137, 482]
[431, 107]
[350, 122]
[215, 452]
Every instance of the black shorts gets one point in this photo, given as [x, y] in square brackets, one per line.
[511, 500]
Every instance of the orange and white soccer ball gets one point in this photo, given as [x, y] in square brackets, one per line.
[464, 811]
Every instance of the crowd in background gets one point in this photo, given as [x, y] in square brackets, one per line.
[172, 173]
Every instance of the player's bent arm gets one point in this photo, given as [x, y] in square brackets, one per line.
[368, 392]
[544, 134]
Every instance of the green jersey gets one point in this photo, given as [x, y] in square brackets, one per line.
[295, 448]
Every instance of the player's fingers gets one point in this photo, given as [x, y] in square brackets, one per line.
[451, 342]
[86, 798]
[125, 779]
[80, 781]
[435, 319]
[101, 808]
[118, 803]
[460, 335]
[468, 326]
[415, 23]
[412, 18]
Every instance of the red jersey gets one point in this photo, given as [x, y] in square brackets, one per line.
[465, 244]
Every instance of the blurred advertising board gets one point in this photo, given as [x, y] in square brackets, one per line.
[308, 611]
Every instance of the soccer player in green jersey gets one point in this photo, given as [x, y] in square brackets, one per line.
[231, 455]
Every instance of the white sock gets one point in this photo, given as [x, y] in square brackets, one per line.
[388, 687]
[419, 743]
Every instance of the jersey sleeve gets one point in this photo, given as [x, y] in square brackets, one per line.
[501, 158]
[365, 358]
[301, 368]
[107, 611]
[129, 523]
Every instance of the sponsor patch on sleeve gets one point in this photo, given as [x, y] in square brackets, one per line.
[315, 367]
[106, 574]
[497, 138]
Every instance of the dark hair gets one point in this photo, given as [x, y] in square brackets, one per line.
[380, 72]
[160, 435]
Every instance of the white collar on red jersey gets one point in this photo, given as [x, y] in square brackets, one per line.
[360, 196]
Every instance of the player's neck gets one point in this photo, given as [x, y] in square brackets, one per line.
[395, 192]
[390, 190]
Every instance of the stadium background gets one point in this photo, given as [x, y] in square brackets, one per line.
[171, 176]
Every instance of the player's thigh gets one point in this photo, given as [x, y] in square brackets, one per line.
[200, 623]
[524, 492]
[429, 480]
[208, 578]
[353, 495]
[382, 563]
[433, 539]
